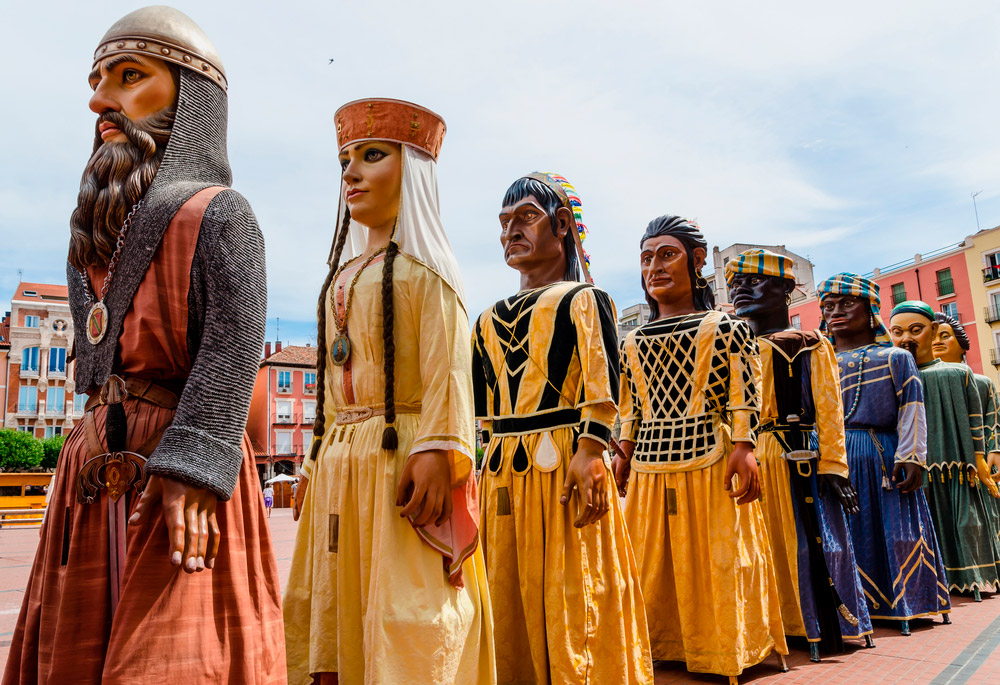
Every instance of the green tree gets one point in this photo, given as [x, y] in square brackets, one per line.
[51, 447]
[19, 451]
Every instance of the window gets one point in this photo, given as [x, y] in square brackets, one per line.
[31, 321]
[26, 428]
[945, 286]
[79, 402]
[898, 293]
[283, 410]
[29, 362]
[57, 360]
[27, 399]
[951, 309]
[309, 383]
[284, 381]
[10, 490]
[797, 322]
[308, 412]
[282, 442]
[57, 400]
[53, 431]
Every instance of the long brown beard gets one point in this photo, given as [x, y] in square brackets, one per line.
[116, 177]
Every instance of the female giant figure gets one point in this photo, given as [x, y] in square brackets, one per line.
[387, 582]
[689, 413]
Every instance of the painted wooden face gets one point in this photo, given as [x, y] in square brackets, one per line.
[915, 334]
[663, 262]
[527, 236]
[755, 296]
[373, 172]
[137, 86]
[946, 346]
[846, 315]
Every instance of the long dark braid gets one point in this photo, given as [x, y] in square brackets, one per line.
[390, 440]
[319, 423]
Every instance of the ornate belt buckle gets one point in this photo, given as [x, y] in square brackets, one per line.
[354, 415]
[114, 471]
[801, 455]
[114, 391]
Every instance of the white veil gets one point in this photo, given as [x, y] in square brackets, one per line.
[419, 230]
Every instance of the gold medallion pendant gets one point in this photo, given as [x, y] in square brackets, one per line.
[340, 350]
[97, 323]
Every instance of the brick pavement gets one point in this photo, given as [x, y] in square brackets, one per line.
[968, 651]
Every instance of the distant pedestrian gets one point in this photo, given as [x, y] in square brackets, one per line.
[268, 499]
[295, 506]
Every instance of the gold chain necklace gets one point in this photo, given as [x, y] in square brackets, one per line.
[341, 347]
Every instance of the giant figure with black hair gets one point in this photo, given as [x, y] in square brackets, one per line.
[387, 583]
[545, 372]
[690, 412]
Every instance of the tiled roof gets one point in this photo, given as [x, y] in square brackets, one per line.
[258, 449]
[293, 355]
[41, 292]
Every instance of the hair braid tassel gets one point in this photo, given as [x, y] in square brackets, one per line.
[390, 439]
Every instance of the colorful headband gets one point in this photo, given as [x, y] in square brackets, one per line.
[762, 263]
[571, 200]
[852, 285]
[395, 120]
[913, 307]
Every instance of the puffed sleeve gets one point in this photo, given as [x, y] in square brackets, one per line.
[744, 397]
[628, 404]
[911, 417]
[596, 323]
[446, 416]
[829, 404]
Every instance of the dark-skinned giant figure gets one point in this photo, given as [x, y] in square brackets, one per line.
[166, 288]
[886, 429]
[689, 416]
[821, 597]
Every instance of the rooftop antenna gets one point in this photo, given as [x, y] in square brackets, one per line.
[277, 331]
[976, 208]
[19, 274]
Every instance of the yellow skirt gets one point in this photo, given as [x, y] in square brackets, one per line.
[366, 597]
[706, 571]
[779, 517]
[568, 605]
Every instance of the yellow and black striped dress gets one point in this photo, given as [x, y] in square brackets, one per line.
[567, 601]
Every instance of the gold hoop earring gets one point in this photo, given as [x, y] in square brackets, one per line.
[701, 282]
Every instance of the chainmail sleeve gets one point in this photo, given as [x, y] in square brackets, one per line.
[227, 319]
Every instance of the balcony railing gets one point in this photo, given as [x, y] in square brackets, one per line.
[995, 357]
[991, 313]
[55, 411]
[288, 418]
[991, 273]
[295, 449]
[27, 408]
[945, 287]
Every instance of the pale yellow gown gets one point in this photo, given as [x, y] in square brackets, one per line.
[688, 393]
[368, 597]
[567, 599]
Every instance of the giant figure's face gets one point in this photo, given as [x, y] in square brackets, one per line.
[755, 296]
[530, 242]
[136, 86]
[373, 173]
[915, 334]
[663, 262]
[945, 345]
[846, 315]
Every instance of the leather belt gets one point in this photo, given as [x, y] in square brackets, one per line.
[140, 389]
[536, 423]
[351, 415]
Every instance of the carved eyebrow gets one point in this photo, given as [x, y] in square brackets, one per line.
[118, 60]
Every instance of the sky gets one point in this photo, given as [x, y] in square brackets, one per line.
[852, 133]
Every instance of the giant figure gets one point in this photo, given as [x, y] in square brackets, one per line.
[956, 458]
[387, 583]
[155, 561]
[895, 545]
[689, 422]
[805, 492]
[562, 574]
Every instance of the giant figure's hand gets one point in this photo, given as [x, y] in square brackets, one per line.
[621, 465]
[189, 514]
[844, 491]
[983, 472]
[587, 474]
[300, 497]
[424, 489]
[993, 461]
[908, 474]
[743, 464]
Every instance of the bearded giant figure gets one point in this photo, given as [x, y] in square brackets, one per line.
[155, 560]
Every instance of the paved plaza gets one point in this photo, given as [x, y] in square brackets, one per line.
[968, 651]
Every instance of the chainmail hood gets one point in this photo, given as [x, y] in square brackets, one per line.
[195, 158]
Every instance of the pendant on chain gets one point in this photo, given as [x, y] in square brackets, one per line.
[340, 350]
[97, 322]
